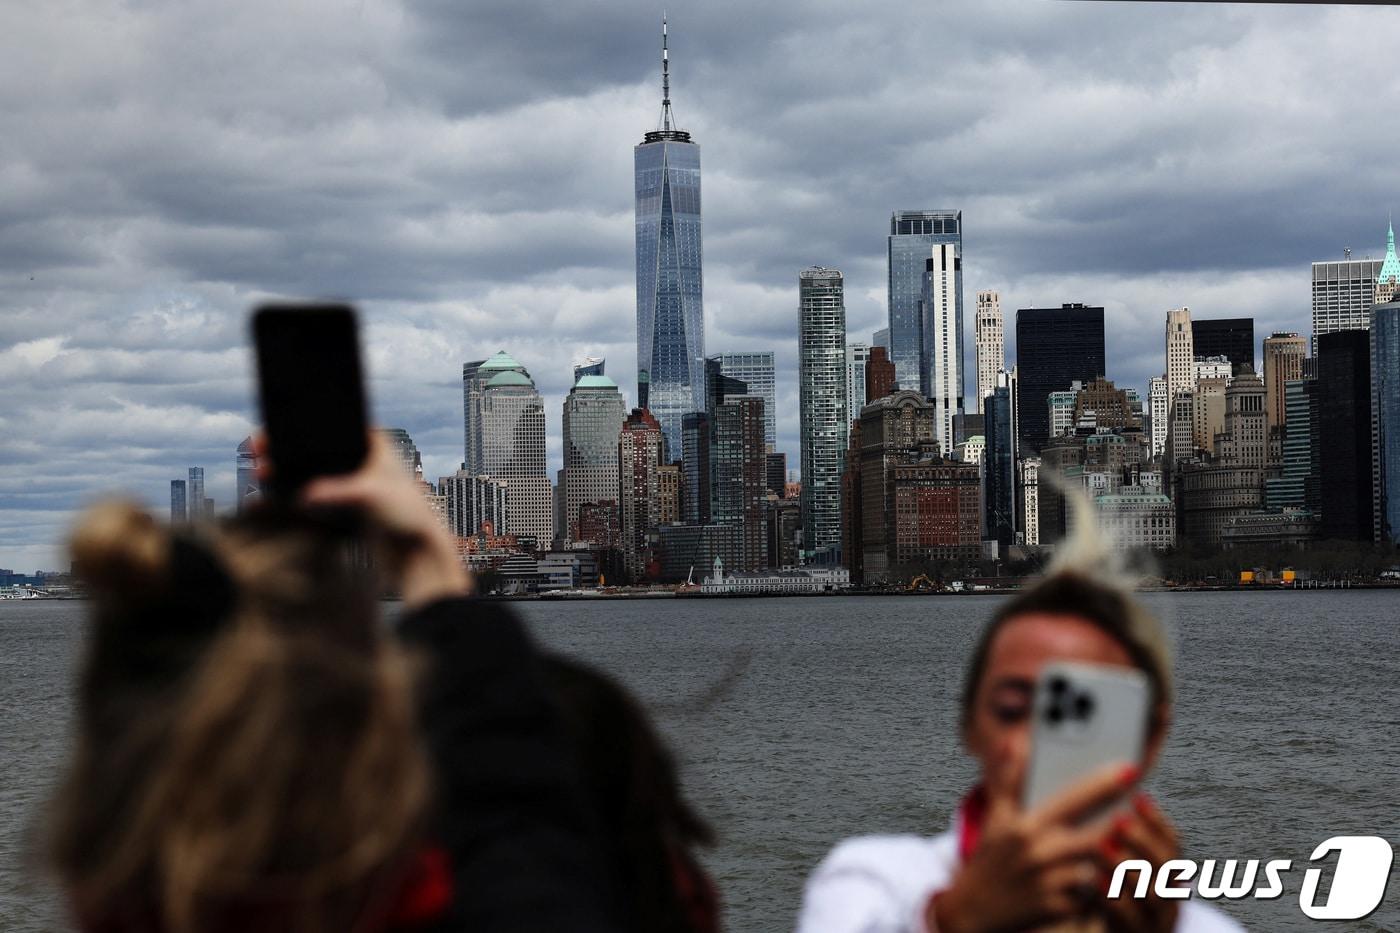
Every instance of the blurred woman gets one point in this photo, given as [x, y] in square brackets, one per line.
[649, 830]
[1001, 867]
[255, 751]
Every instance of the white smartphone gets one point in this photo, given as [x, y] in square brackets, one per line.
[1086, 716]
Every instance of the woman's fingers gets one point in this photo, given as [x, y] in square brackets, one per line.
[1084, 797]
[1060, 844]
[1147, 842]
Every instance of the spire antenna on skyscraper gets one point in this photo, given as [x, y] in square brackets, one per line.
[667, 117]
[665, 78]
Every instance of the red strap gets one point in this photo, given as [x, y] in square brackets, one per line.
[427, 889]
[971, 814]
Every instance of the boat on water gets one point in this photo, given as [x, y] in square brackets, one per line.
[18, 592]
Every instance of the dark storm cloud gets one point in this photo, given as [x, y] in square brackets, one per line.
[464, 171]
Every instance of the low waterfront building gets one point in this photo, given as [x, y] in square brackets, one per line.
[1292, 529]
[1209, 496]
[573, 569]
[807, 580]
[519, 573]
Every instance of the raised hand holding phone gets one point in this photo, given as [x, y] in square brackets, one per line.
[311, 391]
[318, 453]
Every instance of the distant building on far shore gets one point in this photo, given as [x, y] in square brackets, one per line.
[809, 580]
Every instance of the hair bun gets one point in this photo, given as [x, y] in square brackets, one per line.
[119, 550]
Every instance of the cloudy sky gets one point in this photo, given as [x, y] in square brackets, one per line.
[462, 170]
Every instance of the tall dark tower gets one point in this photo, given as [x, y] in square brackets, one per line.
[670, 316]
[1054, 347]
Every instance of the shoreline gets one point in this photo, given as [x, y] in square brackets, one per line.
[997, 591]
[558, 596]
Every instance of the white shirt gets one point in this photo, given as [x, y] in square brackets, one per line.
[882, 884]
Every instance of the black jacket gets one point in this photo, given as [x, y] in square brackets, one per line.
[510, 810]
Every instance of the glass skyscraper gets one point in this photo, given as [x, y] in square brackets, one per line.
[670, 319]
[593, 416]
[755, 369]
[913, 235]
[179, 512]
[999, 467]
[512, 438]
[821, 366]
[1385, 420]
[1054, 347]
[246, 471]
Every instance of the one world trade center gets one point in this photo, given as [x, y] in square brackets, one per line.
[670, 320]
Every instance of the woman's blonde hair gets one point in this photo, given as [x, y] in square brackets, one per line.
[1087, 579]
[247, 752]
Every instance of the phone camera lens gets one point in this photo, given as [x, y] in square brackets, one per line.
[1054, 714]
[1083, 706]
[1058, 686]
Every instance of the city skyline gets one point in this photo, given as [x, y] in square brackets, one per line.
[128, 356]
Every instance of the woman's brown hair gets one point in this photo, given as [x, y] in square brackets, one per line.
[246, 751]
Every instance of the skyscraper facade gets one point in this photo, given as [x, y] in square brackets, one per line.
[999, 468]
[739, 487]
[670, 315]
[1296, 486]
[404, 450]
[695, 450]
[245, 471]
[593, 366]
[821, 365]
[913, 234]
[593, 415]
[473, 502]
[857, 359]
[179, 502]
[756, 370]
[512, 433]
[1344, 435]
[1283, 363]
[639, 451]
[879, 376]
[1342, 294]
[1157, 401]
[475, 375]
[1385, 420]
[990, 344]
[1244, 441]
[941, 372]
[1181, 357]
[196, 510]
[1054, 347]
[1230, 337]
[1388, 277]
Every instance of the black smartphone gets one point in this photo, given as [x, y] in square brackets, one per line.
[311, 391]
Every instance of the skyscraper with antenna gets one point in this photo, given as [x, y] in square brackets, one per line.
[670, 315]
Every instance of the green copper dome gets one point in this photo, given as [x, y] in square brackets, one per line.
[509, 378]
[502, 360]
[1390, 269]
[595, 382]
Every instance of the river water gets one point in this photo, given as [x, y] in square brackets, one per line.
[801, 721]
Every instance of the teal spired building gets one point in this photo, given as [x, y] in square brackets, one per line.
[670, 317]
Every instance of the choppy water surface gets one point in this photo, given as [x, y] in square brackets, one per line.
[837, 716]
